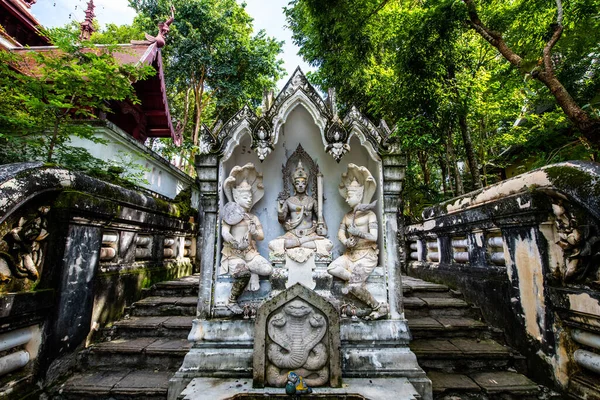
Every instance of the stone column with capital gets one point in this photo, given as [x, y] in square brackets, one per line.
[207, 171]
[394, 168]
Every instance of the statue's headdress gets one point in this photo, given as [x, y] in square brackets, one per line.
[355, 178]
[242, 187]
[244, 178]
[300, 172]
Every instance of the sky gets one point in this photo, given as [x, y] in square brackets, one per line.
[267, 14]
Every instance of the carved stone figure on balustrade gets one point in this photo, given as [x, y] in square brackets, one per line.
[301, 215]
[240, 230]
[580, 243]
[23, 244]
[359, 232]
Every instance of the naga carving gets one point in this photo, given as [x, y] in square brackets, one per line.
[21, 253]
[580, 244]
[296, 336]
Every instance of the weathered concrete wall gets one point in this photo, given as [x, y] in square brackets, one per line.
[526, 251]
[75, 251]
[161, 176]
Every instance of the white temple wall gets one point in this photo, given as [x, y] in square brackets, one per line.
[300, 128]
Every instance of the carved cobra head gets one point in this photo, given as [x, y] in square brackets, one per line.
[297, 308]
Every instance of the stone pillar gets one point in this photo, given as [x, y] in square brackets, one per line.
[478, 248]
[207, 171]
[394, 166]
[76, 274]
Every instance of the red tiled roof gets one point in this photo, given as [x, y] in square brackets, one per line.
[26, 20]
[151, 91]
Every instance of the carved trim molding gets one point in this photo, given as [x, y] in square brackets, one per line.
[335, 132]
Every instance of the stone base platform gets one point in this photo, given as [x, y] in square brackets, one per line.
[353, 388]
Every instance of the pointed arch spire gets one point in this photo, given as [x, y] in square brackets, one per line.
[87, 26]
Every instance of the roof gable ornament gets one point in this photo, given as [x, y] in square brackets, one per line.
[297, 82]
[163, 31]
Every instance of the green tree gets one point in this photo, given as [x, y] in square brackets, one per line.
[215, 65]
[528, 34]
[409, 61]
[46, 97]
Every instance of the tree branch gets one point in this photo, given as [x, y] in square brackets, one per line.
[558, 30]
[494, 38]
[375, 11]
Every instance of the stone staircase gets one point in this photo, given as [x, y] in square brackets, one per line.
[463, 357]
[142, 351]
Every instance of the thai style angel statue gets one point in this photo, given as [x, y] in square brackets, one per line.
[240, 231]
[358, 232]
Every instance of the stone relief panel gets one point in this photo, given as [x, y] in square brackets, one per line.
[22, 248]
[240, 231]
[295, 342]
[297, 331]
[301, 214]
[359, 233]
[580, 242]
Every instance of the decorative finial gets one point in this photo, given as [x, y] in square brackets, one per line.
[87, 26]
[29, 3]
[163, 30]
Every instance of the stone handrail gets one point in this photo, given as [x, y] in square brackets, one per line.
[527, 251]
[74, 251]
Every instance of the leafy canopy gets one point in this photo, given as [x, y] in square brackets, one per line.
[46, 97]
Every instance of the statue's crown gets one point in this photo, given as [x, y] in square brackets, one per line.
[354, 185]
[300, 172]
[242, 187]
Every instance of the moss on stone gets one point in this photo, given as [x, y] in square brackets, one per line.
[563, 177]
[72, 198]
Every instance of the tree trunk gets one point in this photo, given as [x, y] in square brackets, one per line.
[423, 156]
[53, 142]
[471, 158]
[589, 127]
[454, 165]
[444, 170]
[198, 117]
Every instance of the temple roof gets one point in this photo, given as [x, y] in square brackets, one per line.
[152, 117]
[20, 26]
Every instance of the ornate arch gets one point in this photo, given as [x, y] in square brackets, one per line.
[264, 130]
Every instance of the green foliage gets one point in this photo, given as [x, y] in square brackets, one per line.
[47, 97]
[419, 65]
[119, 34]
[214, 63]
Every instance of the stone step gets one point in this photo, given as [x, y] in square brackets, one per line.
[182, 287]
[438, 307]
[144, 352]
[161, 306]
[412, 287]
[163, 326]
[461, 355]
[419, 284]
[483, 385]
[446, 327]
[584, 385]
[116, 384]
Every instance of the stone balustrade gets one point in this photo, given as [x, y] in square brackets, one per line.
[74, 252]
[527, 252]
